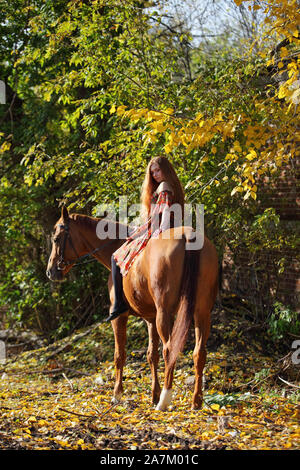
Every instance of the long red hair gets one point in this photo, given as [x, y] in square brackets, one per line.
[150, 185]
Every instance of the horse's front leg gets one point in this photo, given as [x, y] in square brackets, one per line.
[153, 359]
[119, 326]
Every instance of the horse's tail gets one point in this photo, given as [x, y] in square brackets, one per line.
[187, 303]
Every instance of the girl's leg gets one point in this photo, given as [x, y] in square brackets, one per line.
[120, 305]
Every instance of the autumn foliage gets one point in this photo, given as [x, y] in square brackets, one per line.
[58, 397]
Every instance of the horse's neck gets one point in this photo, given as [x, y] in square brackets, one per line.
[91, 234]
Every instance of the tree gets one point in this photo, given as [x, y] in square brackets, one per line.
[96, 89]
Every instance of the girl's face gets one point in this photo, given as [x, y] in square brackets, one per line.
[156, 172]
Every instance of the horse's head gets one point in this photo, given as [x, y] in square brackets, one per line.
[65, 247]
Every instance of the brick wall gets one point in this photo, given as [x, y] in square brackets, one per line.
[256, 277]
[282, 193]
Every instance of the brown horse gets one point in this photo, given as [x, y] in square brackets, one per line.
[165, 282]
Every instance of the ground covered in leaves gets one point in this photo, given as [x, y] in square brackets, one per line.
[59, 396]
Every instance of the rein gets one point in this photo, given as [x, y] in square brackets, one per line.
[62, 264]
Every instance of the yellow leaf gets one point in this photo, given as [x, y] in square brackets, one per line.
[112, 109]
[231, 156]
[42, 422]
[168, 148]
[284, 52]
[153, 115]
[199, 117]
[236, 189]
[121, 110]
[251, 155]
[32, 419]
[158, 126]
[236, 146]
[282, 92]
[215, 406]
[5, 146]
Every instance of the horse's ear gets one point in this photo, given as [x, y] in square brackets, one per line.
[64, 213]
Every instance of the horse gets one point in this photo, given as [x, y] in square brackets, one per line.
[167, 286]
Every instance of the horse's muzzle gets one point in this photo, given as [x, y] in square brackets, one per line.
[54, 274]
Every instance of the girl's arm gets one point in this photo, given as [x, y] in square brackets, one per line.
[165, 219]
[164, 202]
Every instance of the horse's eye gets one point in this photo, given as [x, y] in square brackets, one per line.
[56, 239]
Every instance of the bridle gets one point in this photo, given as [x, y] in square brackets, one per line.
[62, 264]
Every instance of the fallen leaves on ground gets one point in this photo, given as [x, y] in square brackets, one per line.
[59, 397]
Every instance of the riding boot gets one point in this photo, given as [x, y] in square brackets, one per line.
[120, 305]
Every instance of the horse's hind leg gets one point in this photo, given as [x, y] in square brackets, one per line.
[202, 328]
[153, 358]
[164, 328]
[119, 326]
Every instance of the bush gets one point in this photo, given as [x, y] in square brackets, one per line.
[283, 321]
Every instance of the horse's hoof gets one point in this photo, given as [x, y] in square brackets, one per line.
[160, 408]
[115, 400]
[197, 405]
[165, 400]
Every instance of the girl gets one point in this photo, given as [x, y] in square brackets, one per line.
[161, 188]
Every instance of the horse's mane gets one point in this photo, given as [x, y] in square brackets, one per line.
[87, 221]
